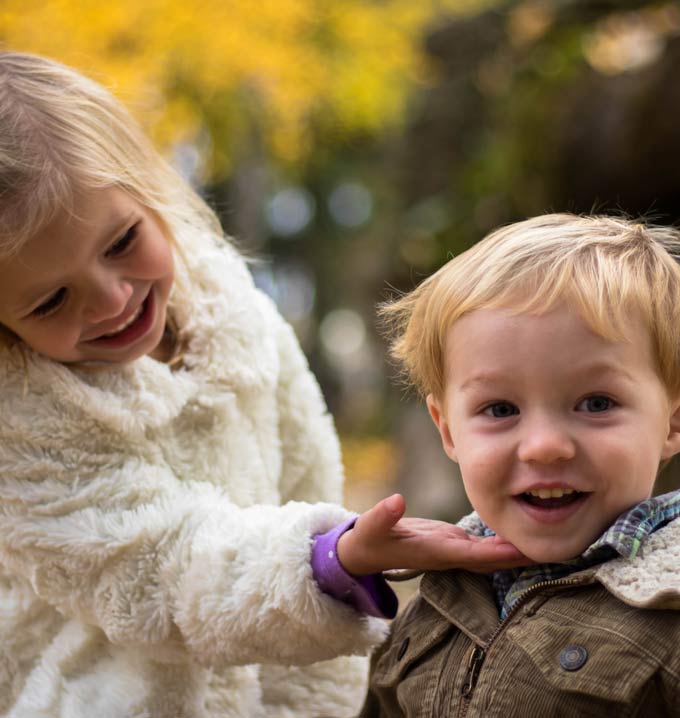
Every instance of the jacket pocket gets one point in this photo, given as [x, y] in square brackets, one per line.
[593, 662]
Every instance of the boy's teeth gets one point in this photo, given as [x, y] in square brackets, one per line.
[550, 493]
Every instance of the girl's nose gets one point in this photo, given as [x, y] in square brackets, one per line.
[107, 298]
[545, 442]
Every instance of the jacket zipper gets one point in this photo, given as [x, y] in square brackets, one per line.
[478, 654]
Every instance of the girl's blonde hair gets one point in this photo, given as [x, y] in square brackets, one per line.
[609, 269]
[61, 132]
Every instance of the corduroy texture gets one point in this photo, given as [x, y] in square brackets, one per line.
[623, 613]
[155, 525]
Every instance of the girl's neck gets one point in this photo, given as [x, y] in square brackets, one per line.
[169, 349]
[165, 350]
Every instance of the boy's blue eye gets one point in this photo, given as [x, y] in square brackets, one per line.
[123, 243]
[501, 410]
[50, 304]
[595, 404]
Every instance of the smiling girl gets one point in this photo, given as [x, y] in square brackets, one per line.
[91, 287]
[170, 477]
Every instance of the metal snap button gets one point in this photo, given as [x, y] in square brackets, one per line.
[403, 648]
[573, 657]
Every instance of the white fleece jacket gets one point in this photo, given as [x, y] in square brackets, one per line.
[155, 525]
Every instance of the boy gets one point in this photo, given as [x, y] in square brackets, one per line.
[550, 360]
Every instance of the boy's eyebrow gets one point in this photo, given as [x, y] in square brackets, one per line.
[481, 378]
[603, 367]
[598, 369]
[602, 370]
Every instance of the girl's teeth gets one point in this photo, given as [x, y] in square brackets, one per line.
[130, 321]
[550, 493]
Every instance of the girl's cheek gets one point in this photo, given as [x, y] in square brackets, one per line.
[64, 336]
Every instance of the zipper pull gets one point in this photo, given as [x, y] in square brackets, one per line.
[474, 665]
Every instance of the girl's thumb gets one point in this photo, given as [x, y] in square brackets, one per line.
[393, 509]
[381, 518]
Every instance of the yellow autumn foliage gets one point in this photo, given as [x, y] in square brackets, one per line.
[280, 69]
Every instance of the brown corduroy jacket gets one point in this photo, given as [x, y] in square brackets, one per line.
[603, 642]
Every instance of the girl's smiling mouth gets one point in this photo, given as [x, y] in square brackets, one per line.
[133, 330]
[135, 316]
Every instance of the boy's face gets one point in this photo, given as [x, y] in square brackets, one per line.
[556, 430]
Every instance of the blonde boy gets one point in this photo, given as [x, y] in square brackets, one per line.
[549, 356]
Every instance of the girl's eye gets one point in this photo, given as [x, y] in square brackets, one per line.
[50, 305]
[501, 410]
[123, 243]
[595, 404]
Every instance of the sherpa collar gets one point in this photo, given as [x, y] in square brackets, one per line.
[651, 579]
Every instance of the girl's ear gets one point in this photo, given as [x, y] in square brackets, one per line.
[672, 444]
[439, 418]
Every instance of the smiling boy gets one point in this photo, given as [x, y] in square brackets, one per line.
[549, 357]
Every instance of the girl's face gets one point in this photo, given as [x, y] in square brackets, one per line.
[93, 285]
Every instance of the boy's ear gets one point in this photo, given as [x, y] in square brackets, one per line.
[672, 444]
[439, 418]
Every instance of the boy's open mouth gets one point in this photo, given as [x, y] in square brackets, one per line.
[551, 498]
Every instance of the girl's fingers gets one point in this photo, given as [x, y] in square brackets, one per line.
[497, 557]
[484, 556]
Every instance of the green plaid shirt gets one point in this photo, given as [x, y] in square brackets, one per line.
[624, 537]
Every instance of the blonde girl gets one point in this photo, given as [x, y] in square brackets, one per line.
[166, 458]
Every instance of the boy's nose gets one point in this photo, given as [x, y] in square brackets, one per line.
[546, 443]
[107, 299]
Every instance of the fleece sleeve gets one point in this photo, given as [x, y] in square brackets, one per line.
[174, 568]
[178, 570]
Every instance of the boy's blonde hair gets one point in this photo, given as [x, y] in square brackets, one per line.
[61, 133]
[609, 269]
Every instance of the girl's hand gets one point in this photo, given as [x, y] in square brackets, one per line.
[381, 539]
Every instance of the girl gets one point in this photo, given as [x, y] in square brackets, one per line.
[159, 433]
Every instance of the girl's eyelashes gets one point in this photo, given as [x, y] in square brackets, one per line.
[118, 247]
[51, 304]
[596, 404]
[115, 250]
[500, 410]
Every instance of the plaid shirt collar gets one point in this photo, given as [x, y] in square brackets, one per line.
[624, 537]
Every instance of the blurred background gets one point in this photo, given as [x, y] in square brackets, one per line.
[351, 146]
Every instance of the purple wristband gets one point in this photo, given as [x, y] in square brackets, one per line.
[368, 594]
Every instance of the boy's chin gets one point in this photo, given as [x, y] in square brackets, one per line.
[550, 552]
[542, 546]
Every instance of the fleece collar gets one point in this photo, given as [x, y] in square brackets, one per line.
[231, 344]
[651, 579]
